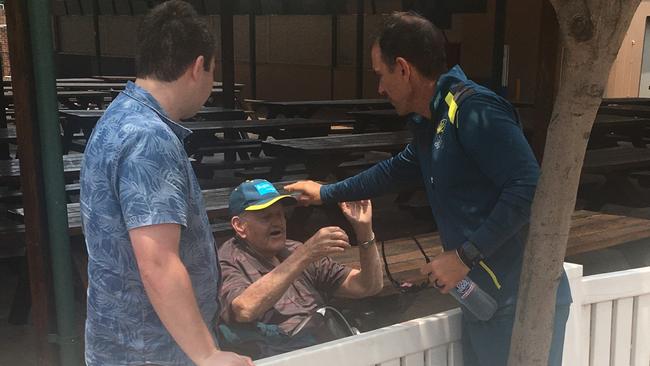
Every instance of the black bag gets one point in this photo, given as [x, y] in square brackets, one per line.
[260, 340]
[325, 324]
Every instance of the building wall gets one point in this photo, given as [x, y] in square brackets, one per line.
[626, 72]
[294, 52]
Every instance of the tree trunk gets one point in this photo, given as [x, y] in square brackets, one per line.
[591, 32]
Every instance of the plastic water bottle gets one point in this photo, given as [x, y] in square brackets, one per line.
[477, 301]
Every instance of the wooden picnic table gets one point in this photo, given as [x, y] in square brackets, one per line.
[307, 108]
[203, 136]
[214, 100]
[631, 110]
[114, 78]
[609, 128]
[322, 154]
[124, 79]
[85, 120]
[97, 85]
[78, 80]
[379, 119]
[88, 118]
[626, 101]
[271, 127]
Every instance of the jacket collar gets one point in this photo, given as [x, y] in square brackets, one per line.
[445, 81]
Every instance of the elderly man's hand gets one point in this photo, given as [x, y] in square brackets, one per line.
[326, 241]
[309, 192]
[359, 214]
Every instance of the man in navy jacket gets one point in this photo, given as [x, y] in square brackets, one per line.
[478, 170]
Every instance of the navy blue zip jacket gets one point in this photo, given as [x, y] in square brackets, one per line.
[480, 177]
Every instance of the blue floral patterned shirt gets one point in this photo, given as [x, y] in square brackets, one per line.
[136, 173]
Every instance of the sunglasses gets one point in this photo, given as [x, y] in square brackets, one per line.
[406, 287]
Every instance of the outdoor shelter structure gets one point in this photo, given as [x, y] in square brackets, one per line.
[29, 26]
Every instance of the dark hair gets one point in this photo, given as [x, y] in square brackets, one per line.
[169, 39]
[417, 40]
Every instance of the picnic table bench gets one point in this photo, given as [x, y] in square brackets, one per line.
[16, 196]
[618, 165]
[610, 161]
[73, 99]
[8, 135]
[216, 205]
[307, 108]
[589, 231]
[10, 169]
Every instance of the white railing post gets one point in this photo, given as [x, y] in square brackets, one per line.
[573, 340]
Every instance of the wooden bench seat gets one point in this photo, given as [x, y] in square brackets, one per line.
[220, 229]
[12, 235]
[207, 170]
[589, 231]
[10, 169]
[228, 146]
[16, 196]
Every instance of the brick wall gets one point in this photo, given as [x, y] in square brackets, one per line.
[4, 45]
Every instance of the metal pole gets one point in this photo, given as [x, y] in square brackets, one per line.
[227, 54]
[252, 57]
[98, 48]
[360, 21]
[40, 15]
[334, 63]
[4, 148]
[499, 40]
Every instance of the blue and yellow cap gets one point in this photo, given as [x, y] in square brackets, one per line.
[254, 195]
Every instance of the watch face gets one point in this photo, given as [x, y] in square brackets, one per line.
[471, 251]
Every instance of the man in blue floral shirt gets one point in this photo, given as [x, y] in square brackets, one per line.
[152, 265]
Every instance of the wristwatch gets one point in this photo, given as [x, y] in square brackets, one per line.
[367, 244]
[469, 254]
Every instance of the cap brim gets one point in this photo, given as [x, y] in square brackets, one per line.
[260, 205]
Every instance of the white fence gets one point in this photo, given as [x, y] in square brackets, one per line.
[610, 319]
[609, 324]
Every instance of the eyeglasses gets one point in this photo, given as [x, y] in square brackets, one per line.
[406, 287]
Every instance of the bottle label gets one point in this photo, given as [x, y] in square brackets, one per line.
[465, 288]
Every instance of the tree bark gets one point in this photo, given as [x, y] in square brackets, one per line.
[591, 32]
